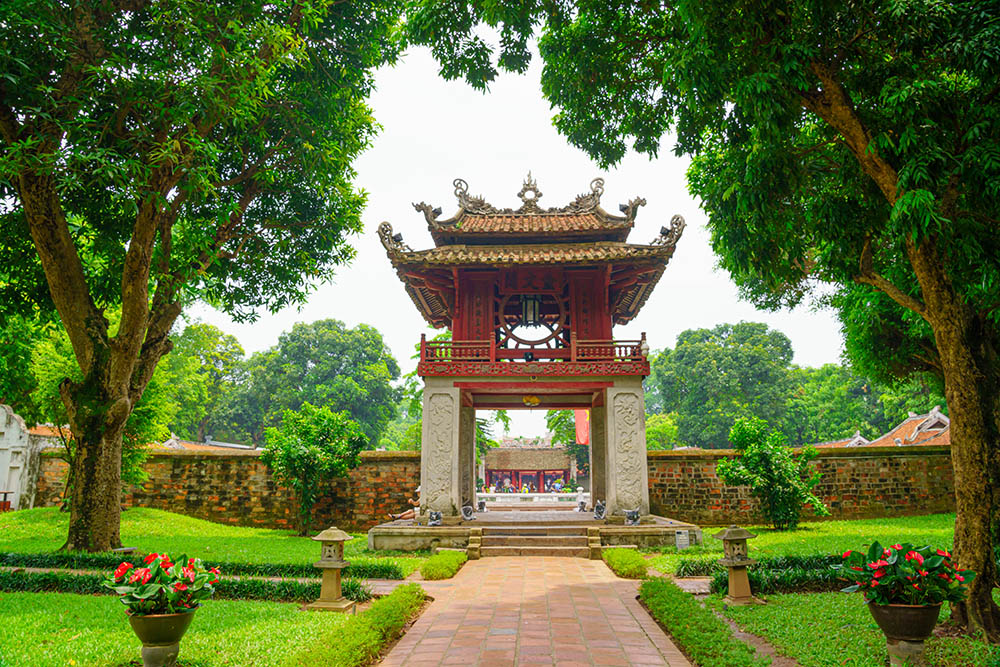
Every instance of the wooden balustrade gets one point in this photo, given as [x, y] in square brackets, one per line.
[486, 351]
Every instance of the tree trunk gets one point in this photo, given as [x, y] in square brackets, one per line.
[972, 387]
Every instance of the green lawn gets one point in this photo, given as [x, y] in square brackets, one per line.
[835, 629]
[824, 537]
[42, 629]
[44, 529]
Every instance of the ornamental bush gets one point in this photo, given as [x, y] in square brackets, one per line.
[905, 574]
[443, 565]
[779, 479]
[626, 563]
[312, 447]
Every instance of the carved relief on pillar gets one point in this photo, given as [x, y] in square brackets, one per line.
[467, 455]
[630, 449]
[440, 415]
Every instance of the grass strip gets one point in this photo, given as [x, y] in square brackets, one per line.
[288, 590]
[704, 637]
[358, 569]
[360, 639]
[626, 563]
[443, 565]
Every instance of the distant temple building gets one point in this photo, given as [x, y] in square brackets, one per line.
[531, 463]
[933, 428]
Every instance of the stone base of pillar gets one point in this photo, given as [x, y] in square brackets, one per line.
[342, 605]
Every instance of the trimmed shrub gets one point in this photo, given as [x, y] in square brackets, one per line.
[443, 565]
[765, 581]
[626, 563]
[358, 640]
[288, 590]
[707, 567]
[361, 569]
[705, 638]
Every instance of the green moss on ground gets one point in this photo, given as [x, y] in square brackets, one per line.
[626, 563]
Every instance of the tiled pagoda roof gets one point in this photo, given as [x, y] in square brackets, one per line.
[550, 253]
[480, 222]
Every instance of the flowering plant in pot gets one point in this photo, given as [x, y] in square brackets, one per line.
[160, 598]
[905, 586]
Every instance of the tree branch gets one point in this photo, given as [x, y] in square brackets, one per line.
[868, 276]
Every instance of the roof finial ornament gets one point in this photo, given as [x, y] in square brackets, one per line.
[529, 194]
[669, 236]
[475, 205]
[393, 243]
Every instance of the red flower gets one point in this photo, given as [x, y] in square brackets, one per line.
[922, 573]
[180, 586]
[847, 553]
[945, 576]
[874, 582]
[189, 573]
[917, 586]
[857, 569]
[877, 564]
[142, 575]
[942, 552]
[913, 555]
[165, 562]
[122, 569]
[150, 558]
[897, 547]
[190, 562]
[879, 573]
[959, 577]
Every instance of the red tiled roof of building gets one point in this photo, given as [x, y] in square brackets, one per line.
[49, 431]
[547, 253]
[933, 428]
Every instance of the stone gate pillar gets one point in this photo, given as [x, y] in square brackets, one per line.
[627, 476]
[598, 454]
[467, 456]
[440, 468]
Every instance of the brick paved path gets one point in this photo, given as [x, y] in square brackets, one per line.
[534, 611]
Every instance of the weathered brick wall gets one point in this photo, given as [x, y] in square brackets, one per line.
[857, 483]
[236, 487]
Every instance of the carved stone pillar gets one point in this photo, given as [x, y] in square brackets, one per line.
[627, 480]
[598, 454]
[467, 456]
[439, 448]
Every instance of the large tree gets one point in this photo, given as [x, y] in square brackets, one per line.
[323, 363]
[715, 376]
[193, 150]
[849, 143]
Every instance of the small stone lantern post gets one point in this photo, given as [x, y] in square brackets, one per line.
[331, 561]
[734, 546]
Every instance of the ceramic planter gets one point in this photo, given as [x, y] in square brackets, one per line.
[160, 635]
[906, 622]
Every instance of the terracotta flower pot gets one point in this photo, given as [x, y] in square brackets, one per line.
[906, 622]
[160, 635]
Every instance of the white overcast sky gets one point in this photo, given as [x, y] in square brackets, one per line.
[435, 131]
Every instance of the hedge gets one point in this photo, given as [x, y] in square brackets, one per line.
[361, 637]
[785, 580]
[443, 565]
[627, 563]
[705, 638]
[358, 569]
[707, 567]
[288, 590]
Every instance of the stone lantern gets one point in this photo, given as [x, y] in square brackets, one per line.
[331, 561]
[734, 546]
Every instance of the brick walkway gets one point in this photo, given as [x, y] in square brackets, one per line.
[535, 611]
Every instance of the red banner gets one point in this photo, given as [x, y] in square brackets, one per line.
[582, 426]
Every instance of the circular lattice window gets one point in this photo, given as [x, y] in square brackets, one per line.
[532, 320]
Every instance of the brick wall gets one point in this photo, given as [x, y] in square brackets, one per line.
[236, 487]
[857, 483]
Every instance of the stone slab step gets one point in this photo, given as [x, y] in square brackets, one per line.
[534, 541]
[572, 552]
[525, 531]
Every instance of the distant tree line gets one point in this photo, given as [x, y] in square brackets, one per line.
[715, 376]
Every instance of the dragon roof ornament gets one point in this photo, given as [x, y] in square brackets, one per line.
[670, 235]
[393, 243]
[529, 196]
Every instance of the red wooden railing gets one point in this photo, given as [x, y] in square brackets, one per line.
[579, 350]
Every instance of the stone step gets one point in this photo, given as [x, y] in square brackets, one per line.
[534, 541]
[572, 552]
[526, 531]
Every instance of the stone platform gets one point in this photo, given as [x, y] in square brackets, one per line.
[554, 532]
